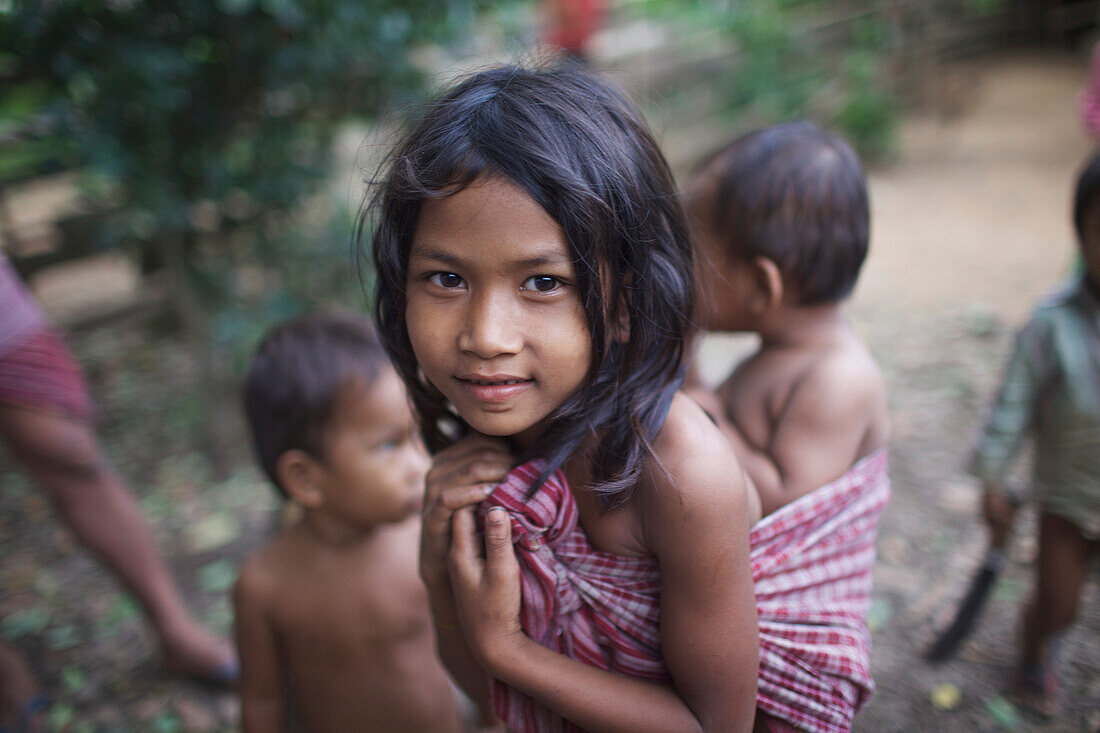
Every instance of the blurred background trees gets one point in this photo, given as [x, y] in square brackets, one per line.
[202, 136]
[202, 133]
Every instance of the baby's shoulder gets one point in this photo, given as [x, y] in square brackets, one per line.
[844, 374]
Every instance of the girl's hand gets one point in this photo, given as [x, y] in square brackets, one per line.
[486, 586]
[461, 475]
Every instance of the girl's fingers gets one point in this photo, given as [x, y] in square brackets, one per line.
[500, 554]
[464, 542]
[440, 509]
[440, 482]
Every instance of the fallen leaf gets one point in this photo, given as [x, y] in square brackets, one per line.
[27, 621]
[1008, 589]
[60, 716]
[211, 532]
[73, 679]
[62, 637]
[167, 723]
[121, 610]
[879, 614]
[1003, 712]
[946, 696]
[217, 576]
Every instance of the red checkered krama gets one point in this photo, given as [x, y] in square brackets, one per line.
[811, 564]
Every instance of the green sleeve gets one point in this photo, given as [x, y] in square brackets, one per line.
[1012, 412]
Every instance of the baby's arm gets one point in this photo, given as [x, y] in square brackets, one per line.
[817, 434]
[263, 709]
[698, 528]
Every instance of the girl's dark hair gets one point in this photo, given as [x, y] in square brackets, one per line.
[576, 147]
[295, 377]
[796, 194]
[1084, 198]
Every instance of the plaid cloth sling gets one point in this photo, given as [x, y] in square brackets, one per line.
[811, 564]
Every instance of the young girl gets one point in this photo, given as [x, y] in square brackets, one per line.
[535, 291]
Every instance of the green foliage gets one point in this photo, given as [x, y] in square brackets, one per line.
[202, 127]
[819, 59]
[179, 102]
[217, 576]
[28, 621]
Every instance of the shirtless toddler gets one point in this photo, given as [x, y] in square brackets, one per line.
[332, 616]
[780, 218]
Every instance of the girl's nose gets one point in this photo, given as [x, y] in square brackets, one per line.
[490, 328]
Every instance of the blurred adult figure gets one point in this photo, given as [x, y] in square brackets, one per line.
[46, 420]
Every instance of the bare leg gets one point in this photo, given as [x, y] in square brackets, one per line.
[1061, 568]
[17, 686]
[64, 457]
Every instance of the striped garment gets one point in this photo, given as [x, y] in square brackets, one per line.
[20, 317]
[811, 564]
[42, 375]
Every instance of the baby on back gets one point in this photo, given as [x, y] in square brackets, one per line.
[781, 221]
[333, 610]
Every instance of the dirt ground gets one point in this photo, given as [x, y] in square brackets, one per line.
[970, 227]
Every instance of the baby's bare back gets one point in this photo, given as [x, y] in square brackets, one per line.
[804, 414]
[357, 640]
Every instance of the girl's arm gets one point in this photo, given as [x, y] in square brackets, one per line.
[699, 531]
[461, 476]
[263, 709]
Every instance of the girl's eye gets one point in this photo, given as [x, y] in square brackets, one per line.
[445, 279]
[541, 283]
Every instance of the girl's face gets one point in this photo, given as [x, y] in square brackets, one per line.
[493, 311]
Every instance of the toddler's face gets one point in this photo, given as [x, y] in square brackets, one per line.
[493, 314]
[374, 464]
[724, 281]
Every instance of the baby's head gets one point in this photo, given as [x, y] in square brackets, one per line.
[331, 423]
[1086, 218]
[780, 208]
[579, 163]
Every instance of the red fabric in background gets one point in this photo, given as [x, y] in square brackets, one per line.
[41, 374]
[573, 23]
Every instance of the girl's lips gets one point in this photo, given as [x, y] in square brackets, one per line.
[495, 389]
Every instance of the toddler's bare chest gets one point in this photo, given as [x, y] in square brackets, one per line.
[352, 610]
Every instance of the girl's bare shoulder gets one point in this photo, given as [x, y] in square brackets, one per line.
[695, 469]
